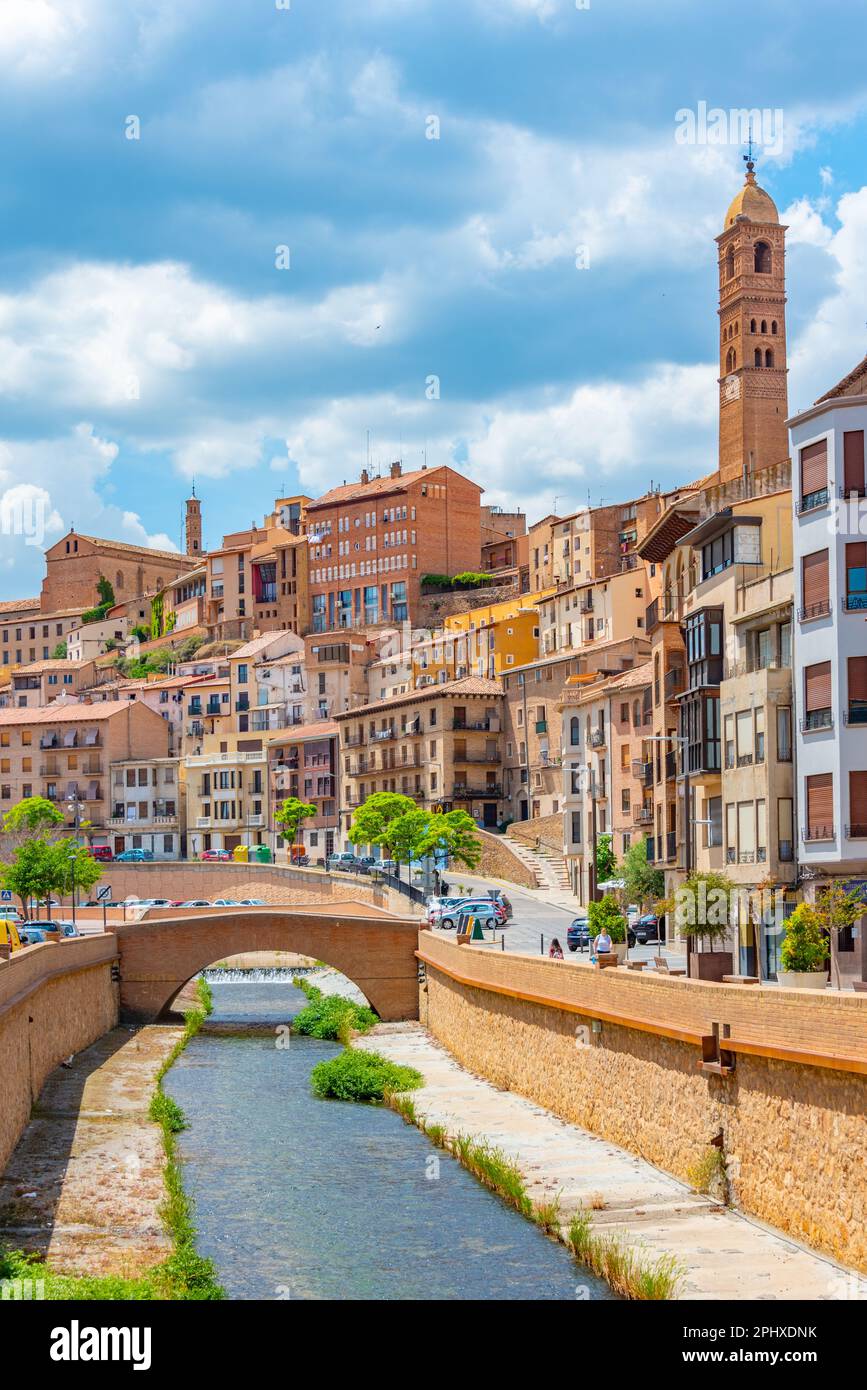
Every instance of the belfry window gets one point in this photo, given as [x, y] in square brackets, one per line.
[762, 258]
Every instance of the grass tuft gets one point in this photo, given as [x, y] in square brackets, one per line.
[494, 1169]
[708, 1174]
[362, 1076]
[330, 1016]
[627, 1269]
[547, 1215]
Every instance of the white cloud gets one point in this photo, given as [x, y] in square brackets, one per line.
[834, 340]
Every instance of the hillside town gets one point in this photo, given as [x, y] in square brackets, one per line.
[685, 670]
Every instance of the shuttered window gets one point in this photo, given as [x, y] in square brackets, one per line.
[857, 689]
[817, 693]
[785, 829]
[744, 726]
[815, 584]
[814, 472]
[853, 462]
[746, 832]
[858, 804]
[820, 806]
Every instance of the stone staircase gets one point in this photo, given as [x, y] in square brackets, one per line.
[548, 867]
[556, 864]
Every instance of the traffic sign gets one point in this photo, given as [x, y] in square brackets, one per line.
[5, 895]
[103, 893]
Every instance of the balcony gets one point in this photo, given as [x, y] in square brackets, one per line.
[812, 501]
[647, 775]
[651, 617]
[194, 708]
[353, 740]
[462, 792]
[821, 609]
[383, 735]
[671, 845]
[255, 822]
[817, 719]
[242, 704]
[854, 603]
[642, 815]
[819, 832]
[598, 738]
[492, 725]
[541, 726]
[855, 714]
[494, 757]
[856, 832]
[206, 759]
[744, 760]
[670, 765]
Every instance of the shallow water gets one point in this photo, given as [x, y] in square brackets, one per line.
[312, 1199]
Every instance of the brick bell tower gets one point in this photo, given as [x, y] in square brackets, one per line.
[193, 536]
[752, 313]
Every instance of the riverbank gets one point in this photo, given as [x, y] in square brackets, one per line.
[724, 1255]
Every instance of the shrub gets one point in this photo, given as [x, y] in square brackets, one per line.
[361, 1076]
[329, 1015]
[436, 581]
[470, 579]
[606, 914]
[805, 947]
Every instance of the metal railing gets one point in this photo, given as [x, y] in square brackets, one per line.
[811, 501]
[819, 832]
[817, 719]
[821, 609]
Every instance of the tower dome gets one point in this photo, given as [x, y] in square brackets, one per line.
[752, 202]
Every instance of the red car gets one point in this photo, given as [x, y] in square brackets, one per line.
[220, 855]
[102, 853]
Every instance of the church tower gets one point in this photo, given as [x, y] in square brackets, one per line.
[194, 524]
[752, 313]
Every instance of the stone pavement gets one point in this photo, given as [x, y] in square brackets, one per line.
[726, 1256]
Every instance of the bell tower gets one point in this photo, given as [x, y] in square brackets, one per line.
[193, 531]
[752, 314]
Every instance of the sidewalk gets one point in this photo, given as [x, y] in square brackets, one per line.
[726, 1256]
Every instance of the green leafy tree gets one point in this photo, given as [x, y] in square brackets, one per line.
[805, 945]
[31, 873]
[406, 836]
[456, 833]
[291, 815]
[105, 591]
[373, 817]
[643, 883]
[60, 652]
[605, 860]
[35, 815]
[839, 909]
[703, 907]
[606, 915]
[74, 867]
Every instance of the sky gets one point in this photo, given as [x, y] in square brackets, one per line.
[243, 242]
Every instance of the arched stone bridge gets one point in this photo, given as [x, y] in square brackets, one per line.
[161, 953]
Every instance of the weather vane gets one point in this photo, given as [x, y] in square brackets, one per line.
[748, 157]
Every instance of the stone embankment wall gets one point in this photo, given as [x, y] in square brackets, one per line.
[791, 1118]
[55, 999]
[547, 830]
[498, 861]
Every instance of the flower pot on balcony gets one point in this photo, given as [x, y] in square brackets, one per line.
[803, 979]
[710, 965]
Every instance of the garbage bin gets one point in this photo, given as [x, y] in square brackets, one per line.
[262, 854]
[240, 854]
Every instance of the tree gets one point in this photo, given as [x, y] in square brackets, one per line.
[805, 946]
[60, 652]
[291, 814]
[702, 907]
[643, 883]
[605, 861]
[105, 591]
[31, 872]
[606, 915]
[74, 867]
[838, 910]
[33, 816]
[456, 834]
[374, 815]
[406, 836]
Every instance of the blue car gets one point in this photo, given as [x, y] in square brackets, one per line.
[134, 856]
[578, 934]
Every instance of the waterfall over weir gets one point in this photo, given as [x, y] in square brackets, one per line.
[258, 975]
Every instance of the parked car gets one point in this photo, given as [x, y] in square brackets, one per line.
[226, 902]
[102, 853]
[135, 856]
[647, 928]
[195, 902]
[34, 933]
[155, 902]
[449, 916]
[578, 934]
[218, 856]
[342, 859]
[252, 902]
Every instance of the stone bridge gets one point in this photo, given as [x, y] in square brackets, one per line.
[162, 952]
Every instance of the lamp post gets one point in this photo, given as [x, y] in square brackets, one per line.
[73, 804]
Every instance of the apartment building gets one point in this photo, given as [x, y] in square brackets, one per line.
[485, 641]
[439, 745]
[532, 747]
[147, 807]
[830, 673]
[64, 752]
[255, 691]
[227, 792]
[372, 542]
[603, 610]
[603, 725]
[258, 579]
[505, 542]
[91, 640]
[28, 635]
[41, 682]
[208, 709]
[391, 675]
[304, 762]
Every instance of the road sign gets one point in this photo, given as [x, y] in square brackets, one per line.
[103, 893]
[5, 895]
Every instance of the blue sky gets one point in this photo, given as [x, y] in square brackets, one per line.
[147, 335]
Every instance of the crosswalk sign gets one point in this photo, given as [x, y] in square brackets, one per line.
[5, 895]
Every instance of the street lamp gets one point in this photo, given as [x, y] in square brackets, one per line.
[73, 805]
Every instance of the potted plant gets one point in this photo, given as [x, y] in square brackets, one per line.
[804, 952]
[703, 916]
[606, 915]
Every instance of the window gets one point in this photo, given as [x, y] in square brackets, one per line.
[853, 463]
[784, 733]
[856, 575]
[815, 588]
[762, 258]
[817, 696]
[574, 730]
[814, 475]
[856, 680]
[785, 829]
[820, 807]
[857, 806]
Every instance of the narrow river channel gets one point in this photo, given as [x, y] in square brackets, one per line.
[300, 1198]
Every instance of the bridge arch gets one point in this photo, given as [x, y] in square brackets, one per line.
[161, 953]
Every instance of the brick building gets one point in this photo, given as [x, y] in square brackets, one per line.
[75, 564]
[371, 543]
[304, 763]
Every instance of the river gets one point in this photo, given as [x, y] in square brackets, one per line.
[301, 1198]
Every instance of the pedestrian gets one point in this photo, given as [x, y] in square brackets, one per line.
[603, 942]
[555, 950]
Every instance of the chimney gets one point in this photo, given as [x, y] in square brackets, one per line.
[396, 470]
[365, 476]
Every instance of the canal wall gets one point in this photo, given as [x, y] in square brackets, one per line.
[55, 999]
[620, 1054]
